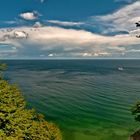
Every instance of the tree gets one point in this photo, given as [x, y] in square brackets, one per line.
[19, 123]
[136, 111]
[136, 108]
[3, 67]
[138, 25]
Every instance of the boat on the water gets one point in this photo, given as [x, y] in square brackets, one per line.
[120, 68]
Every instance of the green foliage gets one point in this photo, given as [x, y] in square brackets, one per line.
[18, 123]
[136, 111]
[3, 67]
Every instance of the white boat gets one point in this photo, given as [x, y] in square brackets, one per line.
[120, 68]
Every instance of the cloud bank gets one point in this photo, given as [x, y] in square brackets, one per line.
[60, 42]
[117, 37]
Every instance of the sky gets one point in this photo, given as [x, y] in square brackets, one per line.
[53, 29]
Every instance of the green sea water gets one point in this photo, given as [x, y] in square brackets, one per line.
[87, 99]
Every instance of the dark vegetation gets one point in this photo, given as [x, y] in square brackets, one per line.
[19, 123]
[136, 113]
[136, 108]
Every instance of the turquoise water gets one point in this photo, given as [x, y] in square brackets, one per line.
[87, 99]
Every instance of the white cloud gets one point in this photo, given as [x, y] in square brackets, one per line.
[37, 24]
[59, 42]
[51, 55]
[122, 20]
[20, 34]
[65, 23]
[134, 50]
[56, 41]
[96, 54]
[29, 15]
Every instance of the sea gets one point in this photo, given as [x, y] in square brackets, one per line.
[86, 99]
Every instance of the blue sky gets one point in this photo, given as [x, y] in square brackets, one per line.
[69, 29]
[59, 9]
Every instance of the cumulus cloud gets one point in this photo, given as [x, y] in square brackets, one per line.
[56, 41]
[29, 15]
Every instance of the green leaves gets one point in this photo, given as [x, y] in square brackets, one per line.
[3, 67]
[18, 123]
[136, 111]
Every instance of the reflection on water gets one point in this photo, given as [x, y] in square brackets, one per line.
[87, 99]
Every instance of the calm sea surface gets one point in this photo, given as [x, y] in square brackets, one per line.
[87, 99]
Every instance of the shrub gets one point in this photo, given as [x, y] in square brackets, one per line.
[136, 111]
[19, 123]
